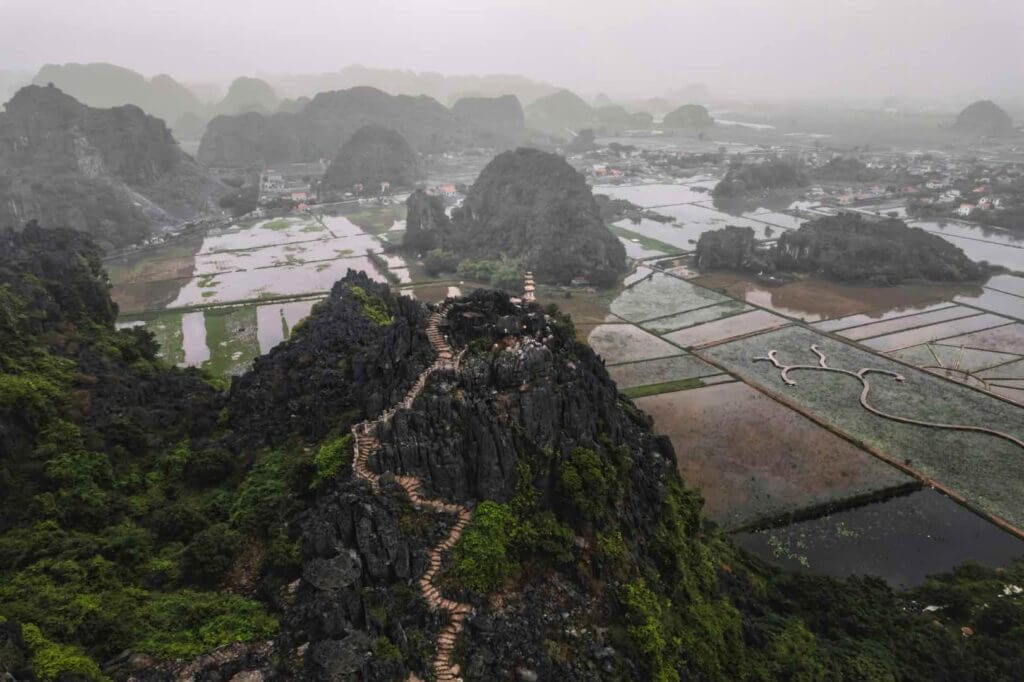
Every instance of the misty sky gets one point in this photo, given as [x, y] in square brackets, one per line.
[627, 47]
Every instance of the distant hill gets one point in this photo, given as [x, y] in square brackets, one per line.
[984, 117]
[114, 173]
[688, 116]
[614, 118]
[559, 112]
[106, 85]
[530, 206]
[248, 94]
[501, 117]
[318, 129]
[445, 89]
[373, 155]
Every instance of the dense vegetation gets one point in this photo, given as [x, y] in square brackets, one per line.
[146, 512]
[747, 179]
[526, 205]
[372, 156]
[846, 248]
[142, 511]
[114, 173]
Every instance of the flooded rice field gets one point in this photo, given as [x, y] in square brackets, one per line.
[726, 328]
[754, 458]
[812, 300]
[626, 343]
[935, 332]
[662, 295]
[661, 370]
[902, 539]
[984, 468]
[297, 257]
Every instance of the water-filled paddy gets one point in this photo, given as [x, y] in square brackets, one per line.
[983, 468]
[753, 458]
[662, 295]
[996, 302]
[902, 539]
[934, 332]
[866, 331]
[726, 328]
[661, 370]
[1006, 339]
[812, 300]
[690, 318]
[626, 343]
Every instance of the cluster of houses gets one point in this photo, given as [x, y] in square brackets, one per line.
[295, 182]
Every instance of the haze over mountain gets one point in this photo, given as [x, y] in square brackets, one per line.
[319, 129]
[114, 173]
[649, 50]
[108, 85]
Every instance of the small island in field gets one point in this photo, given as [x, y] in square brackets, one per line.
[844, 248]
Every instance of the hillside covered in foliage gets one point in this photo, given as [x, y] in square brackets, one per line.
[845, 248]
[151, 517]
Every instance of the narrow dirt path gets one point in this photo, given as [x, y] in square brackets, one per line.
[366, 442]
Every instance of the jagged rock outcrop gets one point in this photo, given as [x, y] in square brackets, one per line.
[984, 117]
[500, 118]
[533, 206]
[372, 156]
[318, 129]
[345, 362]
[586, 558]
[114, 173]
[426, 223]
[846, 248]
[688, 116]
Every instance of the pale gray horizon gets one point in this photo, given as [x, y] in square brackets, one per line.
[785, 49]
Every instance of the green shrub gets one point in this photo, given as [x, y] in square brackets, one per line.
[51, 660]
[384, 650]
[209, 466]
[187, 623]
[330, 458]
[262, 494]
[482, 560]
[375, 308]
[438, 261]
[211, 553]
[583, 479]
[645, 616]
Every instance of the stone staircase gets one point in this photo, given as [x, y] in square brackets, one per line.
[366, 443]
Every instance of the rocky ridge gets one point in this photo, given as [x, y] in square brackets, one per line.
[114, 173]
